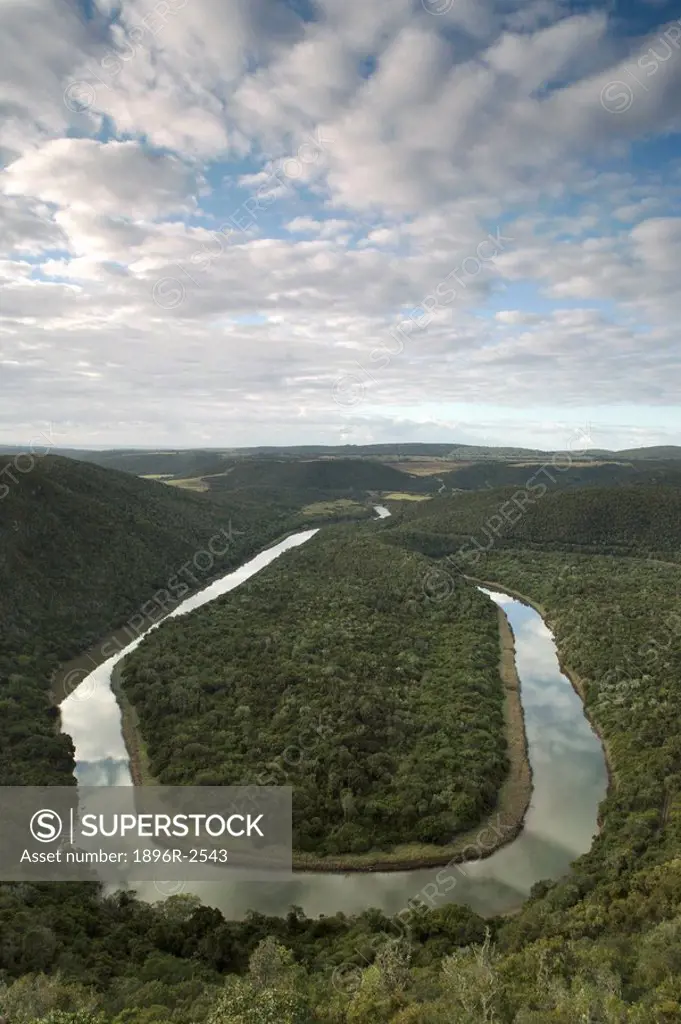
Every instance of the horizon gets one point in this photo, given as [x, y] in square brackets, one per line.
[572, 448]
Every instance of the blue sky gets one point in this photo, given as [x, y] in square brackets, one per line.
[333, 221]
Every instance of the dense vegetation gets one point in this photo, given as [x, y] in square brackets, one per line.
[570, 473]
[81, 550]
[617, 622]
[334, 476]
[602, 946]
[405, 696]
[643, 520]
[170, 961]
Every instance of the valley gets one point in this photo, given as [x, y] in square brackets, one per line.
[392, 638]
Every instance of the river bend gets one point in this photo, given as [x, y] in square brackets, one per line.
[569, 782]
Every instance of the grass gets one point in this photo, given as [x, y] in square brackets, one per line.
[192, 483]
[403, 496]
[328, 508]
[426, 466]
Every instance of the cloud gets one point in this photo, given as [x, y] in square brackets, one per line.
[158, 255]
[514, 317]
[118, 178]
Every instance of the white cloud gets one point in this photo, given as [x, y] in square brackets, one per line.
[513, 317]
[118, 178]
[130, 147]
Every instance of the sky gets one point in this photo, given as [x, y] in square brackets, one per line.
[247, 222]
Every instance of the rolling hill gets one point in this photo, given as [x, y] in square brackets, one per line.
[641, 520]
[492, 474]
[81, 550]
[337, 477]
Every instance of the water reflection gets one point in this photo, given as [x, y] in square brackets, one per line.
[569, 779]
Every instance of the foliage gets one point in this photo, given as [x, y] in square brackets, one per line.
[83, 549]
[272, 993]
[627, 520]
[601, 946]
[49, 999]
[384, 712]
[331, 476]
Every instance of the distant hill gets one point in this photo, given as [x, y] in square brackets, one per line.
[670, 451]
[177, 464]
[502, 474]
[642, 520]
[335, 477]
[198, 462]
[70, 528]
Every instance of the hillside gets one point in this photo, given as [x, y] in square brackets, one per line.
[670, 451]
[643, 520]
[67, 520]
[492, 474]
[82, 548]
[338, 477]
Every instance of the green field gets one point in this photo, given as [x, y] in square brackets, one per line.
[403, 496]
[341, 506]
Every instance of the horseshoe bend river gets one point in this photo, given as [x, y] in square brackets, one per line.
[566, 757]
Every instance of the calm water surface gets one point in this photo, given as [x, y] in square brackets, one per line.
[569, 779]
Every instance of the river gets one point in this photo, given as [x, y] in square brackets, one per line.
[569, 782]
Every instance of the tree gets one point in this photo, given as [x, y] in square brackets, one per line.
[471, 979]
[36, 997]
[273, 993]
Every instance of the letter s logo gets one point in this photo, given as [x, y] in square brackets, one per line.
[46, 826]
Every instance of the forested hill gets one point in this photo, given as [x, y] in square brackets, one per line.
[642, 520]
[491, 474]
[81, 550]
[407, 695]
[82, 544]
[332, 476]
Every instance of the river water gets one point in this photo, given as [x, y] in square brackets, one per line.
[569, 782]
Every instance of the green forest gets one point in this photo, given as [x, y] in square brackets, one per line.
[625, 520]
[389, 709]
[82, 551]
[602, 945]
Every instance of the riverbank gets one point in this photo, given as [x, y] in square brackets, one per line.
[500, 827]
[138, 757]
[578, 684]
